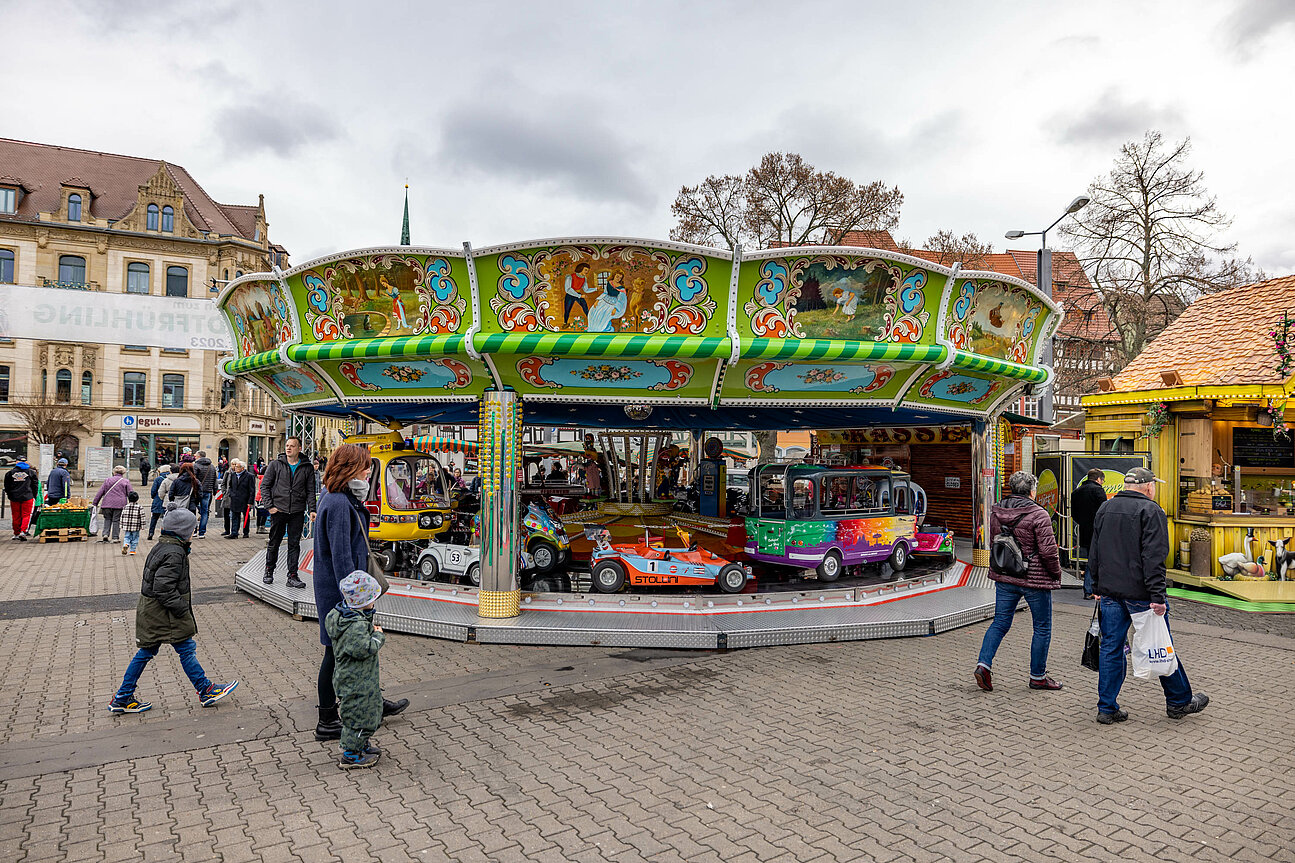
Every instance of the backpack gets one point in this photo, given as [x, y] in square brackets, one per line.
[1005, 555]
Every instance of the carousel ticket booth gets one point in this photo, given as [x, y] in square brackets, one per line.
[1212, 419]
[631, 340]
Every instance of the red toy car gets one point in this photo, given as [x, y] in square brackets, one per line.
[649, 563]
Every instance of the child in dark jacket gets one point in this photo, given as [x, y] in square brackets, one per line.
[356, 642]
[165, 616]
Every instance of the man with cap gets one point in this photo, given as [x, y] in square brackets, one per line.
[59, 484]
[20, 487]
[1126, 564]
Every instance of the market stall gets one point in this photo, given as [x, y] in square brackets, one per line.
[1210, 414]
[62, 522]
[645, 336]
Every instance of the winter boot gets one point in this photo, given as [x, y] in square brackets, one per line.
[330, 724]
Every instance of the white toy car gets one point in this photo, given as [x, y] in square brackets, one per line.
[442, 560]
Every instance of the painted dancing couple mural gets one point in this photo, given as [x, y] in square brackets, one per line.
[608, 307]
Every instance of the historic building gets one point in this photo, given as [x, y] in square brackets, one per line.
[85, 220]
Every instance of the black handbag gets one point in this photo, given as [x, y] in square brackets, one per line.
[1092, 643]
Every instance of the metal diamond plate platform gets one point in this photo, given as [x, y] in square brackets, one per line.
[928, 604]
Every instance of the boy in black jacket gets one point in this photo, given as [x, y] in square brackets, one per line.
[165, 616]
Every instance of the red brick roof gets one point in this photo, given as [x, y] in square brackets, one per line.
[1220, 340]
[868, 240]
[114, 181]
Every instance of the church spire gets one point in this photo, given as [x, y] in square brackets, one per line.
[404, 229]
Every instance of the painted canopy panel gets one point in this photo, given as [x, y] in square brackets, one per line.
[261, 315]
[994, 318]
[833, 294]
[613, 379]
[294, 385]
[603, 287]
[958, 389]
[432, 378]
[781, 382]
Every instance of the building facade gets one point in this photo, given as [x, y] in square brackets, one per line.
[85, 220]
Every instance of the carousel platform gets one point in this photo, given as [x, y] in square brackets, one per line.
[928, 603]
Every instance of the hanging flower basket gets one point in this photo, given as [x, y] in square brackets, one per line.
[1157, 418]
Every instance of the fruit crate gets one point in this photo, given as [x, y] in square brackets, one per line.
[48, 519]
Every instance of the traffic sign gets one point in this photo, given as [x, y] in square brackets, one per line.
[128, 423]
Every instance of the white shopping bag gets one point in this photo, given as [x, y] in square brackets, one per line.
[1152, 649]
[93, 529]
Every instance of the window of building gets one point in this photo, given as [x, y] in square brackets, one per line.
[227, 393]
[1030, 407]
[143, 348]
[6, 266]
[4, 384]
[168, 219]
[63, 386]
[8, 199]
[137, 278]
[152, 217]
[172, 391]
[132, 389]
[87, 387]
[44, 383]
[177, 282]
[74, 208]
[71, 269]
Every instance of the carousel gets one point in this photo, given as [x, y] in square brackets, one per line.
[634, 340]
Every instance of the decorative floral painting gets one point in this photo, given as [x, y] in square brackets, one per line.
[603, 289]
[378, 375]
[260, 315]
[994, 319]
[839, 297]
[296, 384]
[381, 296]
[658, 375]
[794, 379]
[952, 386]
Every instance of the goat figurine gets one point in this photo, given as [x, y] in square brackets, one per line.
[1283, 560]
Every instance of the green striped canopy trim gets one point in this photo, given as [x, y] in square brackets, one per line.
[255, 362]
[836, 349]
[396, 346]
[603, 345]
[1002, 368]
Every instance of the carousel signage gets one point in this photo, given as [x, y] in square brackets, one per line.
[897, 435]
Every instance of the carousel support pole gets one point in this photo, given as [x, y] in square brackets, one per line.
[982, 479]
[500, 433]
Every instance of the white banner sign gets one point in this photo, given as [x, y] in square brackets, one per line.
[111, 319]
[98, 463]
[46, 460]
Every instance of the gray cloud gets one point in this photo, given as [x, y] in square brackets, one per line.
[1113, 119]
[273, 125]
[185, 17]
[1254, 21]
[563, 146]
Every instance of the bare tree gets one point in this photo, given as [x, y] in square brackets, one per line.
[48, 420]
[783, 200]
[967, 250]
[1150, 240]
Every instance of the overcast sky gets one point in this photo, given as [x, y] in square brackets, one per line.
[521, 120]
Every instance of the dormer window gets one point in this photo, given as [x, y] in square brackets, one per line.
[8, 199]
[168, 220]
[152, 217]
[74, 208]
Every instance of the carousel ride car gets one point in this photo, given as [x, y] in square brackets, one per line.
[651, 564]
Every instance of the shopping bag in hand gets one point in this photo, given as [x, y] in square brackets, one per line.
[1092, 643]
[93, 528]
[1152, 649]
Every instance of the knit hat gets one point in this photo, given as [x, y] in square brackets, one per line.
[179, 521]
[187, 458]
[62, 462]
[359, 589]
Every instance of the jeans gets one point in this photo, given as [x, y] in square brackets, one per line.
[152, 523]
[132, 540]
[187, 651]
[1115, 615]
[21, 510]
[1006, 598]
[1088, 579]
[111, 521]
[204, 509]
[282, 523]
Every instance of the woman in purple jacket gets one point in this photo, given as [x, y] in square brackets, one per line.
[341, 547]
[1032, 527]
[111, 499]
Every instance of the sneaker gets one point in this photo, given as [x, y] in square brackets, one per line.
[269, 578]
[356, 760]
[22, 537]
[1112, 718]
[215, 693]
[1196, 705]
[125, 549]
[133, 551]
[984, 678]
[371, 748]
[128, 705]
[293, 581]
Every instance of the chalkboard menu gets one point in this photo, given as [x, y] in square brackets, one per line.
[1258, 448]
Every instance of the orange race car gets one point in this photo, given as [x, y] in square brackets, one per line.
[650, 564]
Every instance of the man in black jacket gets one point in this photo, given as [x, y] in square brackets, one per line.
[20, 486]
[288, 492]
[1130, 544]
[1084, 504]
[240, 488]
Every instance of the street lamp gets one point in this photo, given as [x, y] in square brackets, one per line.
[1044, 271]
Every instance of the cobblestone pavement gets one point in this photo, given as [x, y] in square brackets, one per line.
[880, 750]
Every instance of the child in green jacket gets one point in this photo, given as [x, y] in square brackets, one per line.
[356, 642]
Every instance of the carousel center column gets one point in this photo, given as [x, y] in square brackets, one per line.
[500, 434]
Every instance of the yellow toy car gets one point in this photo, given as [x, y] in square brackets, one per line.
[409, 491]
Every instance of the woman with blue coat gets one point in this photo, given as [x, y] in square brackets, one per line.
[341, 547]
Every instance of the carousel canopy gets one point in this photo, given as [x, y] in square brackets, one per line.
[595, 331]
